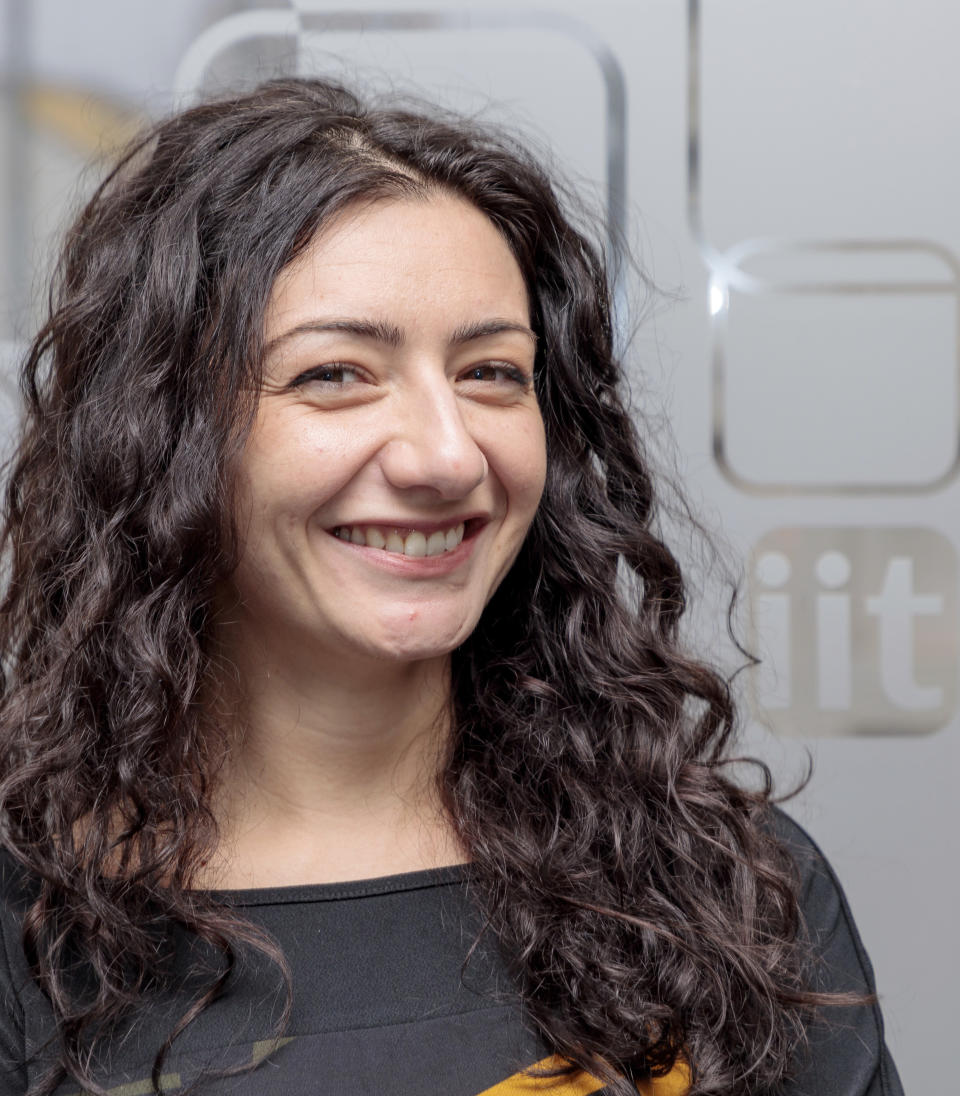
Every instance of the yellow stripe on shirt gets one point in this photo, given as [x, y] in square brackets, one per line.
[676, 1083]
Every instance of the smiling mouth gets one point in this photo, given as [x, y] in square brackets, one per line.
[408, 541]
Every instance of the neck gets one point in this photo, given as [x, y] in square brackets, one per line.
[333, 775]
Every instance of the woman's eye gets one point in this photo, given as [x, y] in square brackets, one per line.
[334, 375]
[497, 372]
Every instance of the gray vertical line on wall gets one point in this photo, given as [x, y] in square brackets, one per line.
[714, 259]
[694, 215]
[17, 257]
[694, 204]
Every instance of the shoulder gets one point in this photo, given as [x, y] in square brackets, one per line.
[846, 1052]
[17, 889]
[823, 903]
[827, 919]
[17, 892]
[14, 893]
[14, 974]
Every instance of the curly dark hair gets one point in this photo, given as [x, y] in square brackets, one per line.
[645, 909]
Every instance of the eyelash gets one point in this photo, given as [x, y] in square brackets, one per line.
[316, 374]
[511, 372]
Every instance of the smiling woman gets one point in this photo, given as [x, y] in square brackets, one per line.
[393, 469]
[335, 752]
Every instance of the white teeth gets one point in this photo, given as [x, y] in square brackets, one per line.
[415, 544]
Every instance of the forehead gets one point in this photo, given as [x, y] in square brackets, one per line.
[427, 261]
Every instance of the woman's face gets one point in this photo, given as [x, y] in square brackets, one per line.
[398, 453]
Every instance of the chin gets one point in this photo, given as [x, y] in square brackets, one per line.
[415, 641]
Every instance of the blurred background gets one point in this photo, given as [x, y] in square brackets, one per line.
[787, 175]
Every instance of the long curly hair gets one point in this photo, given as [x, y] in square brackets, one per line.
[642, 903]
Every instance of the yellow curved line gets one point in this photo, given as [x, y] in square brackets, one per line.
[92, 125]
[520, 1084]
[676, 1083]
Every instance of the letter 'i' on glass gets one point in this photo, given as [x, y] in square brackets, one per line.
[834, 639]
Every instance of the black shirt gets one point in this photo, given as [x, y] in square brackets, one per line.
[386, 1003]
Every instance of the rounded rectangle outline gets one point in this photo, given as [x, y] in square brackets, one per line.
[728, 273]
[724, 269]
[273, 22]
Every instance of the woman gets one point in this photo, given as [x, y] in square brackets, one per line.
[348, 743]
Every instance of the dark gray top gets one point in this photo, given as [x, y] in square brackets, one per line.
[381, 1004]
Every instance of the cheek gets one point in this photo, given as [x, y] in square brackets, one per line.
[521, 462]
[293, 464]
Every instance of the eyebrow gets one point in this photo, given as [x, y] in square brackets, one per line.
[391, 335]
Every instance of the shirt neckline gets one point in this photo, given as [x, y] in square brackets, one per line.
[350, 889]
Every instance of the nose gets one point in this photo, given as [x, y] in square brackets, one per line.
[431, 446]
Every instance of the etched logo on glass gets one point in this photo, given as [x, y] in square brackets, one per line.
[857, 629]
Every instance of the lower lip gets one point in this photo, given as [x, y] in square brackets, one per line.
[414, 566]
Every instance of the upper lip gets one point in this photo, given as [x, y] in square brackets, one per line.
[420, 524]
